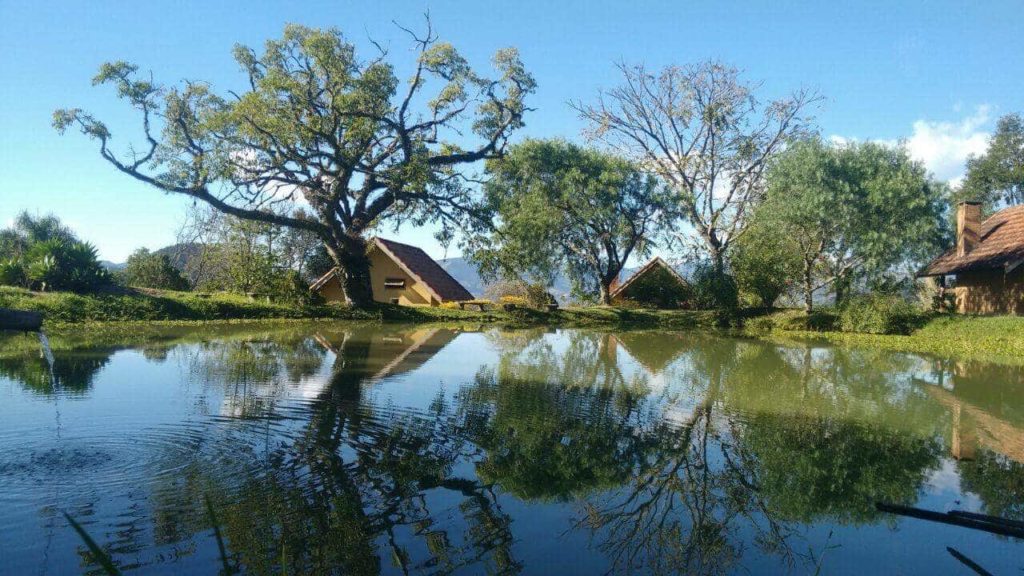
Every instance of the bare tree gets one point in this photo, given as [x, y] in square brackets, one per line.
[702, 130]
[317, 123]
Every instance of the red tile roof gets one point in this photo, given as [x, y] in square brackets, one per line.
[1001, 245]
[423, 267]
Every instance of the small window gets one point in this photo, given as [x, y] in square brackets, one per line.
[394, 300]
[394, 283]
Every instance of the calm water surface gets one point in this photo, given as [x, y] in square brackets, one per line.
[424, 450]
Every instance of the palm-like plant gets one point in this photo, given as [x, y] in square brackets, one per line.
[42, 253]
[58, 264]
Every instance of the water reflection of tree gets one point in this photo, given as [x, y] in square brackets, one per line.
[691, 506]
[556, 424]
[997, 480]
[782, 437]
[355, 484]
[73, 372]
[821, 468]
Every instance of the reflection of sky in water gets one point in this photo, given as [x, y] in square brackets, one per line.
[132, 451]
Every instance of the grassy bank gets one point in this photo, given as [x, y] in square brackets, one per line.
[984, 338]
[149, 306]
[990, 338]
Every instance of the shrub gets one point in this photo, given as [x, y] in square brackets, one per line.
[59, 264]
[519, 301]
[538, 297]
[714, 290]
[12, 273]
[288, 287]
[879, 314]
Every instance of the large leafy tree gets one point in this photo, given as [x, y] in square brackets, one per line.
[852, 212]
[997, 176]
[317, 123]
[701, 129]
[563, 206]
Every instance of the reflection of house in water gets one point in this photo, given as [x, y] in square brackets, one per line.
[985, 404]
[360, 356]
[376, 355]
[654, 353]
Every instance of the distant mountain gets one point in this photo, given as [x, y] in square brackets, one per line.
[180, 254]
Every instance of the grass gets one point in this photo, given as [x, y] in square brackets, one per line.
[989, 338]
[113, 316]
[149, 306]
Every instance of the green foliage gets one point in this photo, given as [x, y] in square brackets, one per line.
[147, 270]
[997, 176]
[12, 273]
[854, 211]
[659, 288]
[713, 289]
[61, 265]
[564, 207]
[319, 123]
[765, 264]
[42, 253]
[879, 314]
[289, 287]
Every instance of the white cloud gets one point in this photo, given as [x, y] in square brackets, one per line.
[944, 146]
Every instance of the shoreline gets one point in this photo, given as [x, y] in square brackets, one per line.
[997, 339]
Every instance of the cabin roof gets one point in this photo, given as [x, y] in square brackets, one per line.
[1000, 245]
[654, 262]
[417, 264]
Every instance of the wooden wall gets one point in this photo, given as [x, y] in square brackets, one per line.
[990, 292]
[382, 268]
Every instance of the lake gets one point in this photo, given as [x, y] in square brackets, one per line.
[414, 449]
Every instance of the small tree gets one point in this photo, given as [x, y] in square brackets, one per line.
[563, 206]
[145, 269]
[765, 263]
[320, 124]
[853, 211]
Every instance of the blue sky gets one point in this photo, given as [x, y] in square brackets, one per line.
[937, 74]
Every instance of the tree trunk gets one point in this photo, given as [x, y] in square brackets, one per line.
[353, 270]
[808, 288]
[605, 293]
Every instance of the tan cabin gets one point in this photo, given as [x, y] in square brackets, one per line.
[985, 270]
[399, 274]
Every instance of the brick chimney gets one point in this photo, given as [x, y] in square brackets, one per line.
[968, 227]
[615, 284]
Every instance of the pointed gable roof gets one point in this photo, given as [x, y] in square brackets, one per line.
[651, 265]
[1001, 245]
[417, 264]
[425, 269]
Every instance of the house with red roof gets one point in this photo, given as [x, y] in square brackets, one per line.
[985, 270]
[399, 274]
